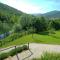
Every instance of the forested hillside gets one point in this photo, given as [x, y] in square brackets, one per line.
[9, 10]
[51, 14]
[12, 19]
[23, 24]
[8, 17]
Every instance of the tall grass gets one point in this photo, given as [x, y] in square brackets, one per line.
[49, 56]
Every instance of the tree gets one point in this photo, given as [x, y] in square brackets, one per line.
[17, 28]
[26, 21]
[40, 24]
[56, 24]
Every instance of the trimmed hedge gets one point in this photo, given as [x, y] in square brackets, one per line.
[13, 52]
[3, 56]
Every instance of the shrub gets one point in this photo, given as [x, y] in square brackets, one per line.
[25, 47]
[13, 52]
[18, 50]
[3, 56]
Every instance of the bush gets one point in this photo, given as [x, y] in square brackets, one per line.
[18, 50]
[25, 47]
[3, 56]
[13, 52]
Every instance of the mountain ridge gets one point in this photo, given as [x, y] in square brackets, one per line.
[6, 8]
[51, 14]
[9, 16]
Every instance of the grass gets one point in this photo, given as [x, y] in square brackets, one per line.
[49, 56]
[37, 38]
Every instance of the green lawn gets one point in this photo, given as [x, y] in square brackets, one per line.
[37, 38]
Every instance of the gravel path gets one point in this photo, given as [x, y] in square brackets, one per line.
[37, 50]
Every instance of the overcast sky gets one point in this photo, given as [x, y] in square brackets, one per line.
[34, 6]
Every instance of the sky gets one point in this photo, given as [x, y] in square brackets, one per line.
[33, 6]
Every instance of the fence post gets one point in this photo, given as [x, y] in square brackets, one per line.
[1, 43]
[28, 45]
[16, 54]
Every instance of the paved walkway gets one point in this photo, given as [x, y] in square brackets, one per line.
[37, 50]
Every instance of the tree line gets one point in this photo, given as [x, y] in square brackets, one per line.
[27, 22]
[37, 24]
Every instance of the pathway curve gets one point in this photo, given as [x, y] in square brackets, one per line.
[37, 50]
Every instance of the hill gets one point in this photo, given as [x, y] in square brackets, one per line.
[51, 14]
[9, 10]
[8, 17]
[36, 38]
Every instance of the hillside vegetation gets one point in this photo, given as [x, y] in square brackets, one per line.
[52, 14]
[27, 28]
[8, 17]
[49, 56]
[33, 38]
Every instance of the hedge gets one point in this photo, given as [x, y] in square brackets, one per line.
[13, 52]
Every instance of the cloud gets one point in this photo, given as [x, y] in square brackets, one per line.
[23, 6]
[33, 6]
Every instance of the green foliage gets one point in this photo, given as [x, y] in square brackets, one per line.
[56, 24]
[42, 37]
[10, 38]
[26, 21]
[13, 52]
[3, 56]
[40, 24]
[22, 24]
[8, 17]
[18, 50]
[9, 10]
[12, 19]
[17, 28]
[24, 47]
[49, 56]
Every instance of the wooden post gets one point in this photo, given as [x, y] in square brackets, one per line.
[1, 43]
[16, 54]
[28, 45]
